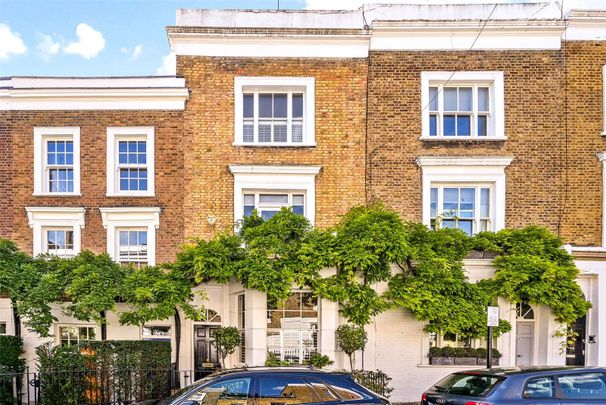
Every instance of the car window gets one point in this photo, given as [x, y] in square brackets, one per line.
[541, 387]
[346, 388]
[227, 392]
[284, 390]
[322, 391]
[583, 386]
[471, 385]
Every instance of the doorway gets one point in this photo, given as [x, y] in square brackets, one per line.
[524, 334]
[575, 354]
[206, 357]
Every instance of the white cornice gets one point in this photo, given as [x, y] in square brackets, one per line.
[32, 93]
[54, 215]
[249, 169]
[499, 161]
[255, 45]
[586, 25]
[130, 215]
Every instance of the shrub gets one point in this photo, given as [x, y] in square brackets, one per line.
[319, 361]
[226, 341]
[273, 361]
[460, 352]
[435, 352]
[471, 352]
[376, 381]
[448, 351]
[481, 352]
[11, 350]
[496, 354]
[350, 339]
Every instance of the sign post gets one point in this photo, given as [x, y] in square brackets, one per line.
[492, 320]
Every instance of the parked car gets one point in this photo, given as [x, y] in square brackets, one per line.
[521, 385]
[275, 386]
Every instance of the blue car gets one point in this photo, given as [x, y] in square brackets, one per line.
[524, 385]
[275, 386]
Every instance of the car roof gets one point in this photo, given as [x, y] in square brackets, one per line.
[529, 370]
[271, 370]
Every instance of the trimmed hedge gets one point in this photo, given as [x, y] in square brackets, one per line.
[104, 371]
[461, 352]
[11, 363]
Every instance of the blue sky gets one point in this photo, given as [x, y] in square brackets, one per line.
[119, 37]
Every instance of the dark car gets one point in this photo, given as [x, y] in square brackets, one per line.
[275, 386]
[524, 385]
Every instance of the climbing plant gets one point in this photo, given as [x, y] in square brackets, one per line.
[369, 262]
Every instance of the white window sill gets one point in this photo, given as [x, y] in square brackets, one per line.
[129, 195]
[275, 145]
[463, 138]
[57, 195]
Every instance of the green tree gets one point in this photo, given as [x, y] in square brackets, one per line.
[350, 339]
[226, 341]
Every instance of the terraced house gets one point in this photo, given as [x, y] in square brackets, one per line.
[493, 112]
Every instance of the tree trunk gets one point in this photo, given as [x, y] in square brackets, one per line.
[351, 361]
[103, 326]
[16, 319]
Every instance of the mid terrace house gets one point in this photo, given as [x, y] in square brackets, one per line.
[479, 117]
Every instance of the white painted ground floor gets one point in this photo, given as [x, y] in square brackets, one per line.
[397, 343]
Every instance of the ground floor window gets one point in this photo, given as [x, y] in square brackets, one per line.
[71, 335]
[2, 328]
[242, 326]
[292, 327]
[156, 332]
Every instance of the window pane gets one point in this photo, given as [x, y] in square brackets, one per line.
[249, 199]
[280, 105]
[485, 202]
[323, 392]
[297, 105]
[583, 386]
[280, 133]
[433, 99]
[273, 198]
[433, 127]
[248, 105]
[466, 226]
[482, 125]
[451, 199]
[297, 132]
[248, 132]
[264, 133]
[539, 388]
[465, 99]
[450, 99]
[267, 214]
[265, 107]
[468, 198]
[471, 384]
[297, 199]
[248, 210]
[434, 202]
[449, 125]
[483, 101]
[463, 125]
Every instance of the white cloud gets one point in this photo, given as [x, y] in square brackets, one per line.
[10, 42]
[168, 66]
[90, 42]
[124, 50]
[47, 46]
[137, 51]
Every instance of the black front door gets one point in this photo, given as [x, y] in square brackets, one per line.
[206, 356]
[575, 355]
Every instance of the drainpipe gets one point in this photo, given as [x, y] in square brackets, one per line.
[16, 319]
[103, 326]
[177, 338]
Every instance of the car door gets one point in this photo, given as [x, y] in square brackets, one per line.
[582, 388]
[540, 390]
[283, 389]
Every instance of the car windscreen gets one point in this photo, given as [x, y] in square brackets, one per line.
[467, 384]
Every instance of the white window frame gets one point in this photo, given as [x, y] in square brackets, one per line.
[117, 218]
[5, 324]
[41, 136]
[305, 85]
[477, 206]
[42, 218]
[116, 134]
[274, 179]
[157, 337]
[71, 325]
[496, 117]
[62, 252]
[462, 171]
[267, 206]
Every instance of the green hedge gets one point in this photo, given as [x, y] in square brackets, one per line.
[103, 371]
[448, 351]
[11, 363]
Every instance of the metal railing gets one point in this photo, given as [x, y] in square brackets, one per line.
[90, 387]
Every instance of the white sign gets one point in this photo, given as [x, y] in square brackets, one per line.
[493, 316]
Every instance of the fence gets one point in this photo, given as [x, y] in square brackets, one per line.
[90, 387]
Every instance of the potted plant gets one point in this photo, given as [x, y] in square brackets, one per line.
[441, 356]
[465, 356]
[481, 353]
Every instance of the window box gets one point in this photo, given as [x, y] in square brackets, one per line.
[465, 361]
[462, 106]
[274, 111]
[442, 361]
[482, 361]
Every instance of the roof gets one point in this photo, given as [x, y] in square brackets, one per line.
[506, 371]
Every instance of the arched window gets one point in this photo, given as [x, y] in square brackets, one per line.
[212, 316]
[524, 311]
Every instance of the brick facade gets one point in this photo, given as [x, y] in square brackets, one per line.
[534, 135]
[6, 175]
[209, 133]
[93, 138]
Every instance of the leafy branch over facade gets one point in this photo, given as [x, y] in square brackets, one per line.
[369, 262]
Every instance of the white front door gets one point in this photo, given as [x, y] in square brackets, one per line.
[524, 343]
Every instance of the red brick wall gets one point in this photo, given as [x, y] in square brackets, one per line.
[533, 126]
[93, 139]
[6, 175]
[340, 109]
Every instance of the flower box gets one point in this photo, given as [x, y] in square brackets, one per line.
[482, 361]
[465, 361]
[441, 361]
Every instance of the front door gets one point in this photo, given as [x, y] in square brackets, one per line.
[524, 343]
[575, 355]
[206, 357]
